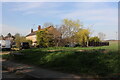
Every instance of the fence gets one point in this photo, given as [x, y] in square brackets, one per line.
[98, 44]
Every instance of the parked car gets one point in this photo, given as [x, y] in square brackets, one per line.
[24, 45]
[5, 44]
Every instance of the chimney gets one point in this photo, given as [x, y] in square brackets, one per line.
[31, 30]
[39, 27]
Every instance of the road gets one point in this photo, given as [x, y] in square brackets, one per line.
[5, 74]
[15, 70]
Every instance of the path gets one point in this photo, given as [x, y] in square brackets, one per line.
[26, 71]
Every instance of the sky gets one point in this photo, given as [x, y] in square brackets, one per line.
[20, 17]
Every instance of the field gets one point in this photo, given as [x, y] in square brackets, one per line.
[92, 61]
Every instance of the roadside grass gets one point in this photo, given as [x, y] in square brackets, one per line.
[94, 61]
[112, 47]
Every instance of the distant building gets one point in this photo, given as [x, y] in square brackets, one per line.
[32, 36]
[8, 37]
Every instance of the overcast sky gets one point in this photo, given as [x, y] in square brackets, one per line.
[19, 17]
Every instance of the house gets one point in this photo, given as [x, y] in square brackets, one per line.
[8, 37]
[11, 38]
[32, 36]
[7, 41]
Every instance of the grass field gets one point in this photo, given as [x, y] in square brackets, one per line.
[94, 61]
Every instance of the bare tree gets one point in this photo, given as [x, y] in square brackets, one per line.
[47, 24]
[101, 35]
[69, 28]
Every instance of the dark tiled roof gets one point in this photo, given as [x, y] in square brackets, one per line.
[33, 33]
[9, 37]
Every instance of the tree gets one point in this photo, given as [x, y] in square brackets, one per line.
[17, 35]
[9, 35]
[1, 37]
[83, 36]
[55, 35]
[94, 39]
[19, 39]
[43, 38]
[101, 35]
[47, 24]
[69, 28]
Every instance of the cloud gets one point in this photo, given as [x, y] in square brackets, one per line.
[100, 14]
[93, 14]
[5, 29]
[26, 1]
[26, 6]
[36, 8]
[60, 0]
